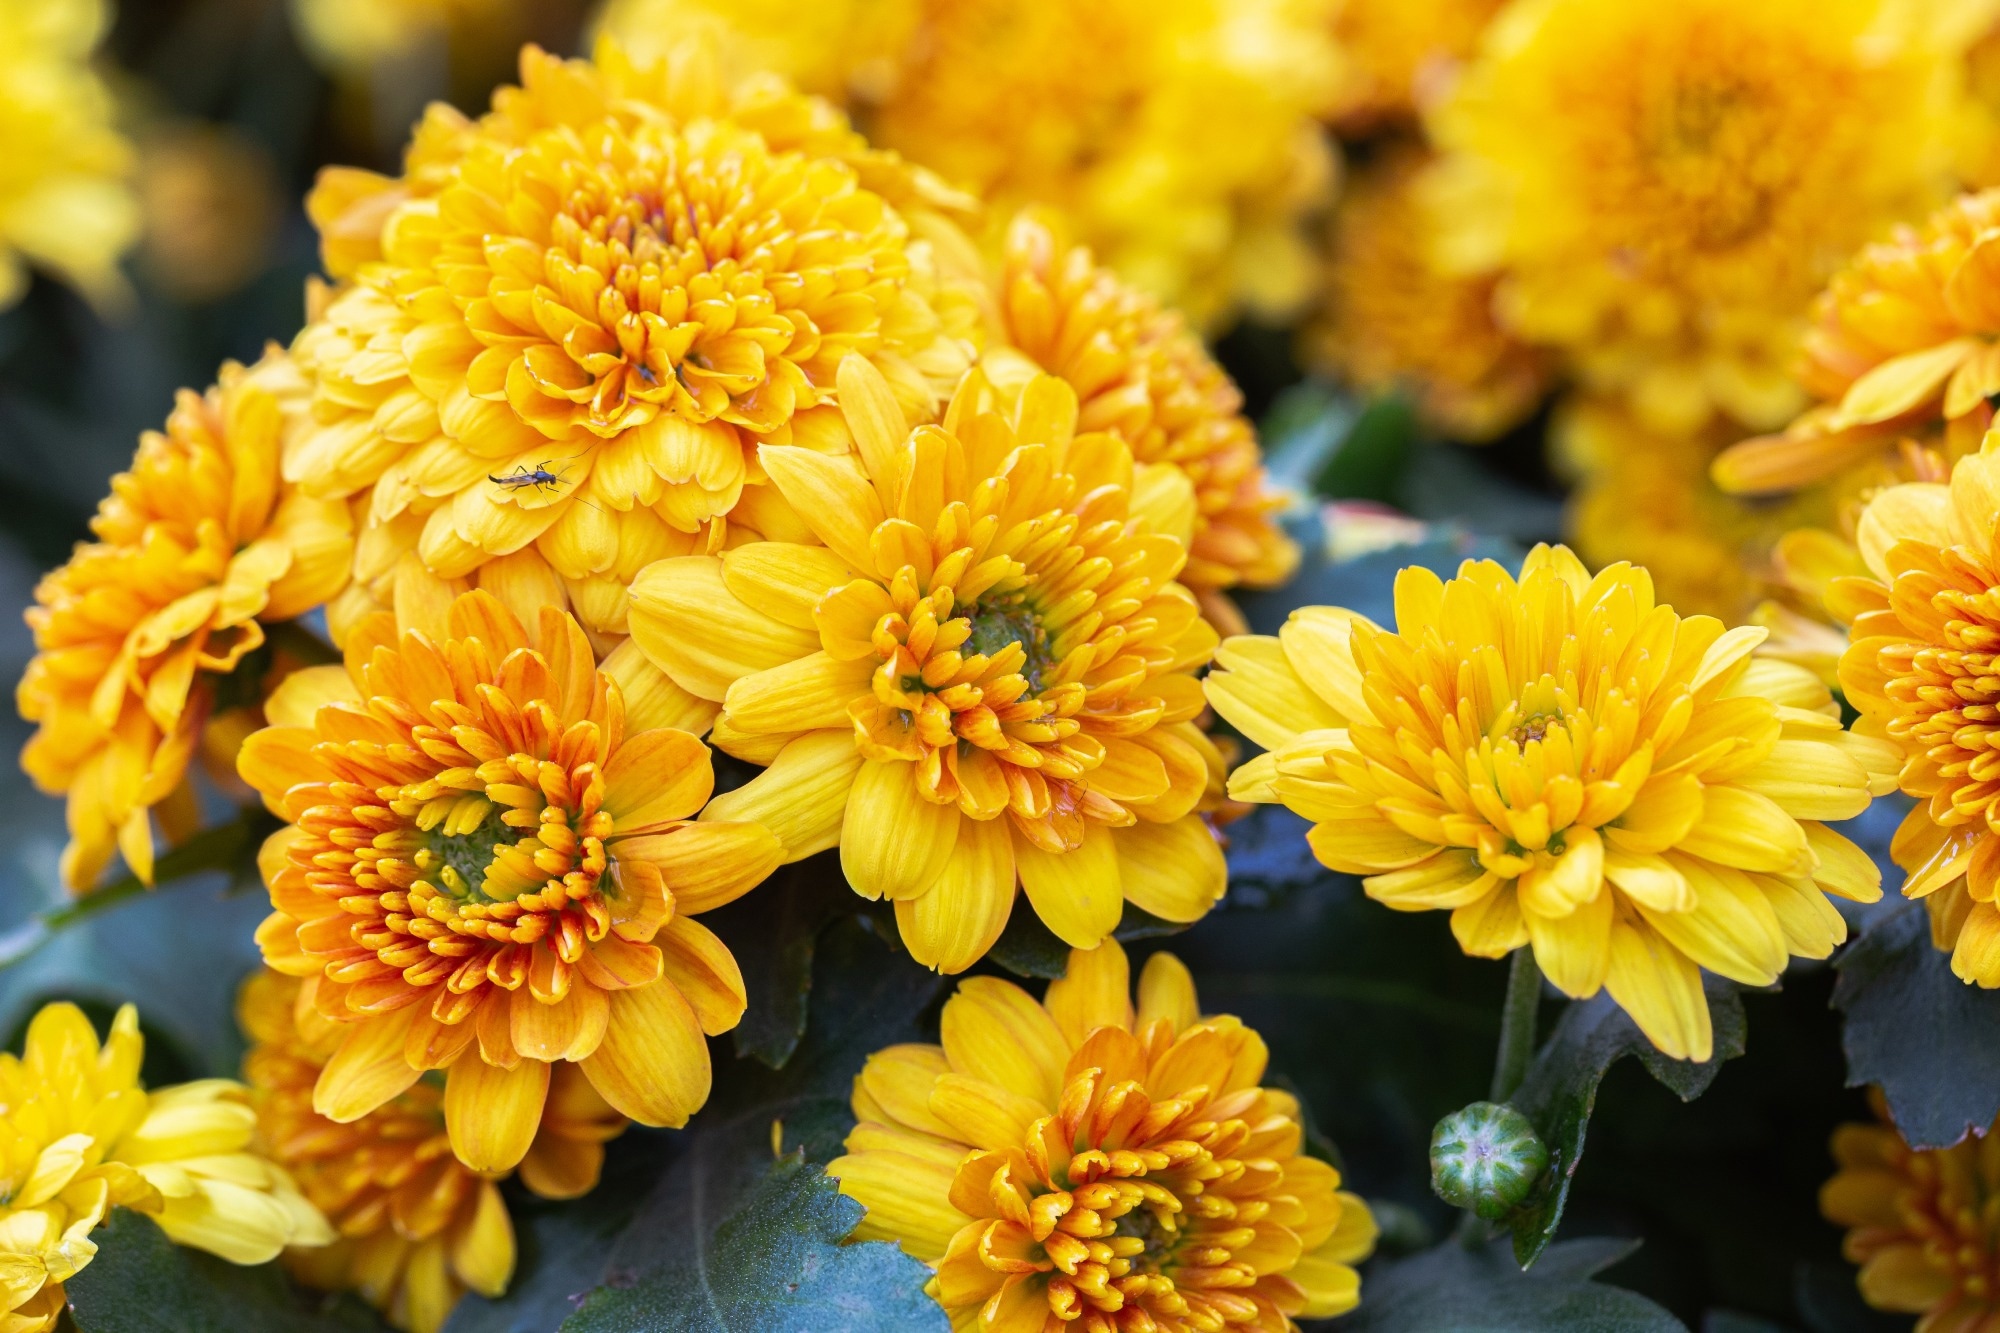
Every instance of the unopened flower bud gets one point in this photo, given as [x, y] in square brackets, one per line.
[1486, 1157]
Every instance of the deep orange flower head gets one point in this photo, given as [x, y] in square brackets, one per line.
[486, 874]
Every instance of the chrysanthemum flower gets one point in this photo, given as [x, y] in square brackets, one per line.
[1662, 188]
[66, 203]
[1390, 319]
[983, 675]
[197, 546]
[1923, 625]
[832, 49]
[1919, 1224]
[1108, 113]
[486, 874]
[1565, 764]
[572, 321]
[80, 1136]
[1397, 56]
[1905, 342]
[1085, 1163]
[417, 1228]
[1141, 375]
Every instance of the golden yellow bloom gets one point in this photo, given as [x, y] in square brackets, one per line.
[980, 671]
[197, 546]
[1647, 497]
[1923, 629]
[833, 48]
[79, 1136]
[573, 320]
[480, 850]
[66, 204]
[1177, 139]
[1919, 1224]
[1087, 1164]
[1398, 56]
[1662, 188]
[1904, 342]
[1141, 375]
[417, 1228]
[1392, 320]
[1564, 763]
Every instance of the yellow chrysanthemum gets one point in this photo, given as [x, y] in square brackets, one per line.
[480, 849]
[572, 321]
[1398, 56]
[1904, 343]
[1647, 497]
[80, 1136]
[1177, 139]
[1141, 375]
[1088, 1164]
[197, 546]
[981, 672]
[66, 202]
[1919, 1224]
[834, 48]
[1392, 320]
[1565, 764]
[417, 1228]
[1662, 188]
[1924, 621]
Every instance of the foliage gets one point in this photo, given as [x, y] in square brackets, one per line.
[1479, 1290]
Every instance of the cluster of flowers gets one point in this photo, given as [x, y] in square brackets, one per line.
[658, 409]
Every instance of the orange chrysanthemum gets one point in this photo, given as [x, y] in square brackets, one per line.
[417, 1227]
[197, 546]
[983, 675]
[1905, 342]
[481, 853]
[572, 321]
[1141, 375]
[1392, 320]
[1082, 1164]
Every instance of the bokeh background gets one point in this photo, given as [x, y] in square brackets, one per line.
[232, 106]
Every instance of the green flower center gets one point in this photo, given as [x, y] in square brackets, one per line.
[457, 862]
[997, 626]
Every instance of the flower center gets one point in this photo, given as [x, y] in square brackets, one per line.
[1947, 697]
[1534, 728]
[458, 862]
[1010, 623]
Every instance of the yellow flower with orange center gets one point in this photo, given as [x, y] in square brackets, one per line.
[1919, 1223]
[1904, 343]
[485, 873]
[1085, 1163]
[1391, 320]
[1141, 375]
[197, 546]
[574, 320]
[79, 1136]
[982, 672]
[1398, 56]
[1662, 188]
[1107, 113]
[417, 1228]
[1924, 621]
[66, 199]
[1563, 763]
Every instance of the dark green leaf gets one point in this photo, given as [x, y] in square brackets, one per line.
[1374, 458]
[774, 1265]
[1728, 1321]
[1027, 948]
[1561, 1089]
[772, 932]
[1481, 1291]
[141, 1282]
[1829, 1302]
[1930, 1041]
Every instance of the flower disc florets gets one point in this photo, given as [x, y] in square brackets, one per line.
[1083, 1165]
[486, 874]
[984, 674]
[1563, 764]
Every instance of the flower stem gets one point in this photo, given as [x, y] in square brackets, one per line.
[1517, 1024]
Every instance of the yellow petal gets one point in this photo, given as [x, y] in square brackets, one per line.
[1094, 991]
[899, 1079]
[894, 843]
[1844, 869]
[1078, 894]
[992, 1030]
[709, 863]
[784, 580]
[1175, 871]
[1660, 987]
[704, 970]
[482, 1251]
[652, 698]
[688, 623]
[1749, 831]
[652, 1065]
[492, 1113]
[1166, 990]
[1256, 689]
[1900, 384]
[951, 927]
[301, 695]
[1318, 642]
[655, 777]
[831, 495]
[984, 1114]
[368, 1068]
[1574, 948]
[808, 694]
[908, 1200]
[1918, 511]
[802, 797]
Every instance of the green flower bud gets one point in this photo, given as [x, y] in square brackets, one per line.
[1486, 1157]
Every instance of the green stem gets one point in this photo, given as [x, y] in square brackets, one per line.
[1517, 1025]
[218, 848]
